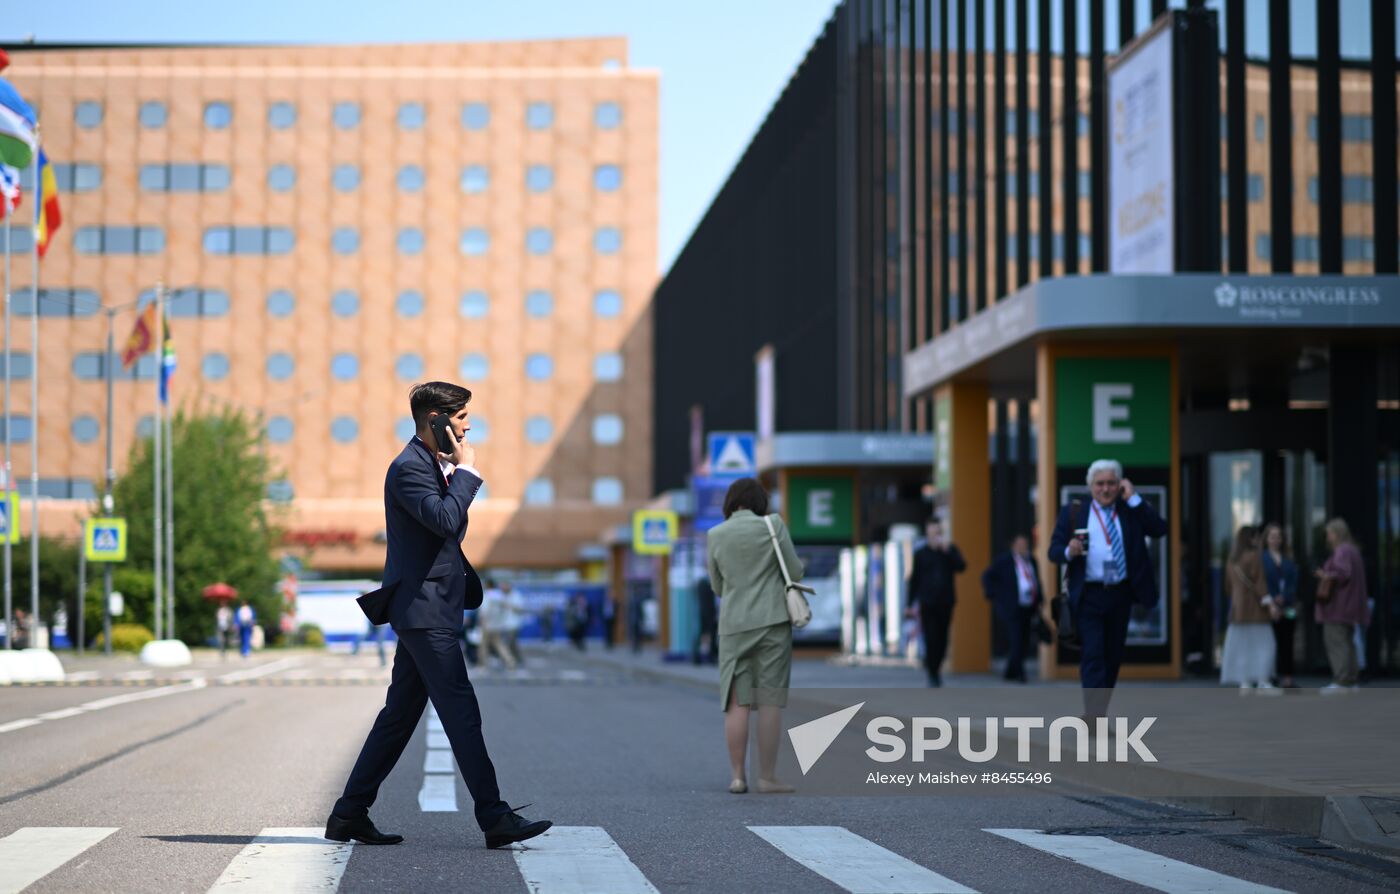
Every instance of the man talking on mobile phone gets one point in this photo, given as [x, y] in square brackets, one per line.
[427, 584]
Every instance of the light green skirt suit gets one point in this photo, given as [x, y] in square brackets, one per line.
[755, 635]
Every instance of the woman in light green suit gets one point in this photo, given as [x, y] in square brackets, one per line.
[755, 635]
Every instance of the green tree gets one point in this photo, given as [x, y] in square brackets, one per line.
[58, 578]
[222, 531]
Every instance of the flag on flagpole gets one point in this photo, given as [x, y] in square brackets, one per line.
[17, 123]
[167, 362]
[47, 217]
[10, 193]
[142, 338]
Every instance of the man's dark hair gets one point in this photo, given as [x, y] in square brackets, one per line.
[441, 397]
[746, 493]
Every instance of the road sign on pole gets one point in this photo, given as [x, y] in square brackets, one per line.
[9, 517]
[104, 539]
[732, 453]
[653, 532]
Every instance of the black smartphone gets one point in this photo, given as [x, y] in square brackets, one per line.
[445, 442]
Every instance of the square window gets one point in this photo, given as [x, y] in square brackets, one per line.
[539, 115]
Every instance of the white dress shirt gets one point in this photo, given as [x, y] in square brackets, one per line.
[448, 468]
[1025, 580]
[1099, 566]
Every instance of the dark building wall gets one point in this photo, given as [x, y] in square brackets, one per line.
[761, 268]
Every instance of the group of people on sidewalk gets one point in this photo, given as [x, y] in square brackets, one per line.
[1261, 579]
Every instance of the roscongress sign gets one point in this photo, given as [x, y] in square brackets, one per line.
[1289, 302]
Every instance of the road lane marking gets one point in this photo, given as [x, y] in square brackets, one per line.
[19, 724]
[80, 676]
[438, 739]
[33, 852]
[438, 760]
[137, 675]
[855, 863]
[434, 722]
[1134, 864]
[261, 670]
[285, 859]
[129, 697]
[59, 715]
[578, 860]
[439, 793]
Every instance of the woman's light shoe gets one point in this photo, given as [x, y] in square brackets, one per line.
[738, 787]
[774, 787]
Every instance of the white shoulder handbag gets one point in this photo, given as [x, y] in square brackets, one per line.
[799, 612]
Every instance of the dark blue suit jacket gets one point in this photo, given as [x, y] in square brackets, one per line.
[1138, 524]
[1000, 584]
[425, 520]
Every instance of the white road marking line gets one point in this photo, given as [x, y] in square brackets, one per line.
[59, 715]
[1134, 864]
[18, 724]
[262, 670]
[434, 724]
[578, 860]
[573, 675]
[33, 852]
[281, 860]
[855, 863]
[159, 692]
[438, 760]
[439, 793]
[137, 675]
[78, 676]
[438, 739]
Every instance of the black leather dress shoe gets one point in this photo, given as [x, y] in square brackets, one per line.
[362, 830]
[512, 828]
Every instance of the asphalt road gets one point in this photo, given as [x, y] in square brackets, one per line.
[167, 788]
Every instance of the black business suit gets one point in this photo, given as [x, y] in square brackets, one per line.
[1102, 612]
[1001, 584]
[426, 519]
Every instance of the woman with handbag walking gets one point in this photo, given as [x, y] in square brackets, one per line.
[752, 565]
[1341, 605]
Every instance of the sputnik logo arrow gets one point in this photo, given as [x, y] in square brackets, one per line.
[810, 740]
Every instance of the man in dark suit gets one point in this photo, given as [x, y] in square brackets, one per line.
[1108, 571]
[1013, 586]
[932, 595]
[429, 582]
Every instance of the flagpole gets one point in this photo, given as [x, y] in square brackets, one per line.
[34, 407]
[9, 522]
[169, 503]
[156, 475]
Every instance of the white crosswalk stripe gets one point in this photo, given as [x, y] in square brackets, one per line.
[1134, 864]
[285, 859]
[855, 863]
[579, 860]
[31, 853]
[439, 793]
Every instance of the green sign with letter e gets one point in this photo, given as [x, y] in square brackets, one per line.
[1113, 408]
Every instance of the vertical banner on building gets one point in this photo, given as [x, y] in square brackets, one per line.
[942, 440]
[765, 398]
[1141, 166]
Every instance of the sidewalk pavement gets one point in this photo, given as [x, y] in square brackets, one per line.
[1322, 767]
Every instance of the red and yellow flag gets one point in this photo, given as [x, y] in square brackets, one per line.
[142, 338]
[47, 217]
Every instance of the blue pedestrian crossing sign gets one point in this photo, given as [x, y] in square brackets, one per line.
[104, 539]
[731, 453]
[9, 517]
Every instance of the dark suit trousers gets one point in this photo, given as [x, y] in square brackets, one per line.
[1017, 621]
[427, 665]
[934, 619]
[1102, 619]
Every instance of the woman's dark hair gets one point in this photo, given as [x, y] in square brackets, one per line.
[441, 397]
[746, 493]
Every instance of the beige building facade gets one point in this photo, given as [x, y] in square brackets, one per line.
[337, 224]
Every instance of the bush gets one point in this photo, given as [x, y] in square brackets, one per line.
[127, 637]
[310, 635]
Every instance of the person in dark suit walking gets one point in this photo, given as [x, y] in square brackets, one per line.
[931, 595]
[1013, 586]
[1108, 571]
[429, 582]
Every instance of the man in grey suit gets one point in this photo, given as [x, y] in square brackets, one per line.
[428, 582]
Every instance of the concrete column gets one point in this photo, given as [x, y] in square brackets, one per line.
[967, 515]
